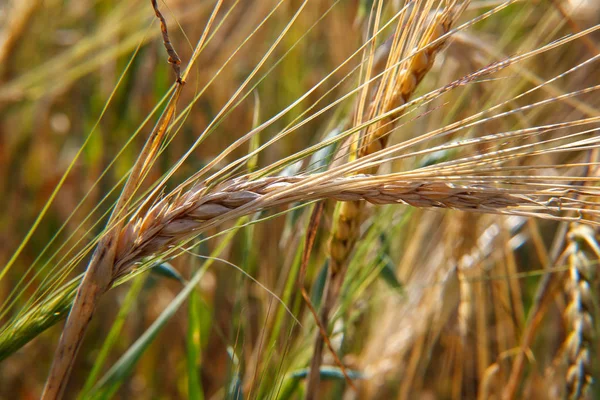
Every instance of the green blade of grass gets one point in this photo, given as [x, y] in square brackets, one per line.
[113, 379]
[114, 334]
[196, 322]
[319, 285]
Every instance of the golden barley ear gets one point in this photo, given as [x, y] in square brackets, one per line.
[394, 90]
[397, 91]
[173, 219]
[579, 313]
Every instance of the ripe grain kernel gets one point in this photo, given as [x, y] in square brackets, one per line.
[349, 210]
[420, 62]
[126, 238]
[374, 147]
[578, 315]
[207, 211]
[237, 199]
[438, 31]
[408, 84]
[398, 99]
[586, 295]
[587, 325]
[180, 226]
[343, 231]
[337, 250]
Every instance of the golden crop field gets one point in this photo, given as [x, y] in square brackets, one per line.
[299, 199]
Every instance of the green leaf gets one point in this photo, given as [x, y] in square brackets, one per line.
[114, 334]
[109, 384]
[319, 286]
[167, 270]
[194, 347]
[388, 274]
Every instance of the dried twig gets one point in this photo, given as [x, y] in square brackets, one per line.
[173, 59]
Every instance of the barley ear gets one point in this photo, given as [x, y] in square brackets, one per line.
[579, 313]
[397, 90]
[375, 139]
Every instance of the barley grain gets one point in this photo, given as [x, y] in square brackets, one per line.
[376, 138]
[396, 92]
[175, 218]
[579, 313]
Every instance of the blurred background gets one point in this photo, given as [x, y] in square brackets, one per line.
[435, 305]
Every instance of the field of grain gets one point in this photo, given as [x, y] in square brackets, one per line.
[299, 199]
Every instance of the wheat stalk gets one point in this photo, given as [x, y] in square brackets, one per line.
[98, 276]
